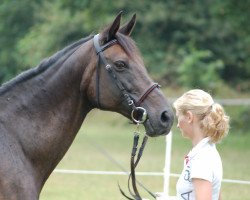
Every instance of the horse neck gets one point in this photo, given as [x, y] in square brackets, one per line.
[50, 109]
[56, 92]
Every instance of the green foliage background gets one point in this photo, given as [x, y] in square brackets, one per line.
[179, 40]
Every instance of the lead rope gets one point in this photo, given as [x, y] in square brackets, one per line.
[133, 164]
[136, 194]
[145, 138]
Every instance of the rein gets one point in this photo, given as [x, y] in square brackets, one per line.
[133, 165]
[138, 114]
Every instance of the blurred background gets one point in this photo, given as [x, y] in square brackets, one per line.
[185, 44]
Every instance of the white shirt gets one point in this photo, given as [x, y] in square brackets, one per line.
[203, 162]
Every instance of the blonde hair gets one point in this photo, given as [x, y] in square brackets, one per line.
[213, 120]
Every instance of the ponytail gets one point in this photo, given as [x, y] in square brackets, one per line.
[215, 123]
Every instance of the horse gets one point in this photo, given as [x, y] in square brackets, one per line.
[43, 108]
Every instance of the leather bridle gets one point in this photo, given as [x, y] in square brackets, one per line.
[135, 105]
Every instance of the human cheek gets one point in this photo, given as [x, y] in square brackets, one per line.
[180, 123]
[178, 126]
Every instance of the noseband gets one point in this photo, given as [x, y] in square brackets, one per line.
[135, 105]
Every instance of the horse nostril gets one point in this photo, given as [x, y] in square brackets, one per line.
[164, 116]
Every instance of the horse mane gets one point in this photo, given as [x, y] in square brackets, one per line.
[126, 43]
[45, 64]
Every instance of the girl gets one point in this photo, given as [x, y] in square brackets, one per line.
[204, 122]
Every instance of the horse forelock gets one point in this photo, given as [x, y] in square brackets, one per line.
[128, 45]
[44, 65]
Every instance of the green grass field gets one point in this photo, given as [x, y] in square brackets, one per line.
[113, 133]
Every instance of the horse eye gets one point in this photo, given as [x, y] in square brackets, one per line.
[120, 65]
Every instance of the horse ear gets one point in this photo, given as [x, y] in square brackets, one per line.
[110, 32]
[127, 28]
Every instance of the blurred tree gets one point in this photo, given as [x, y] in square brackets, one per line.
[32, 30]
[55, 28]
[16, 20]
[59, 23]
[197, 70]
[237, 61]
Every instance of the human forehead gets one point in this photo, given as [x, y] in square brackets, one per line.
[178, 113]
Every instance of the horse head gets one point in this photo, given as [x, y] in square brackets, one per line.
[120, 81]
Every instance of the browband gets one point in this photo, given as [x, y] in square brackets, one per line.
[103, 47]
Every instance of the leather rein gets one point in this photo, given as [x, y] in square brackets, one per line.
[135, 105]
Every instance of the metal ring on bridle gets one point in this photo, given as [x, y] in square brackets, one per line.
[142, 118]
[108, 66]
[130, 102]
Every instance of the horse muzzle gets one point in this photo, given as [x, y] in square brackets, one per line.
[159, 124]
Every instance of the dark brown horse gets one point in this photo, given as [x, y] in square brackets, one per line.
[42, 109]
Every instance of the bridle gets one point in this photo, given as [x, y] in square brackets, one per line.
[138, 114]
[135, 105]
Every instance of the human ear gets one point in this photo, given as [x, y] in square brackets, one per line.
[190, 116]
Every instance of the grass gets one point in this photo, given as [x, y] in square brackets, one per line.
[114, 134]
